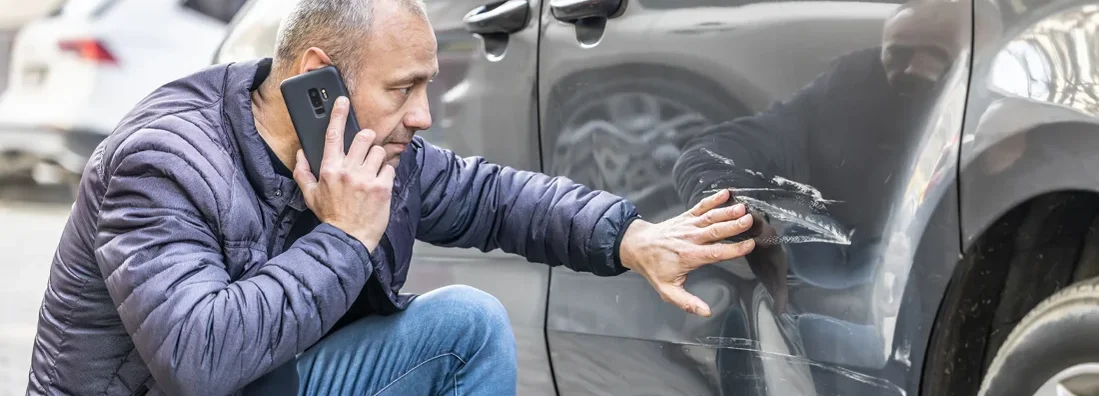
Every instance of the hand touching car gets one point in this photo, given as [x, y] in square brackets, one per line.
[664, 253]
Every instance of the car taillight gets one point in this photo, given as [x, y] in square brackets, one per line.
[89, 49]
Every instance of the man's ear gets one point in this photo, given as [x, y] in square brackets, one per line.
[314, 58]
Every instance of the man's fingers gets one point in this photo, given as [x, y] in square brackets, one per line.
[360, 147]
[302, 173]
[374, 160]
[727, 213]
[333, 137]
[387, 173]
[678, 296]
[717, 252]
[710, 202]
[725, 229]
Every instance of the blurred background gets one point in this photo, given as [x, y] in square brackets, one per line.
[69, 71]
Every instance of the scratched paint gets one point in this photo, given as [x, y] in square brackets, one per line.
[797, 210]
[744, 344]
[822, 228]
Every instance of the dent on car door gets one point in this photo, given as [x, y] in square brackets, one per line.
[835, 122]
[483, 103]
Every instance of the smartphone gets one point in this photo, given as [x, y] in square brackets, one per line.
[309, 98]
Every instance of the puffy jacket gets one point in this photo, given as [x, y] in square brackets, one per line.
[170, 276]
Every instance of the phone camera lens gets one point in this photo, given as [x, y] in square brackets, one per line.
[315, 98]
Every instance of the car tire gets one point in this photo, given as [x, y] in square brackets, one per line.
[1052, 343]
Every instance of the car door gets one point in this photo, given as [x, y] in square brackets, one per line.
[825, 117]
[482, 103]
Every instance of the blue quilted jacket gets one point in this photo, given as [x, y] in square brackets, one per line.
[171, 278]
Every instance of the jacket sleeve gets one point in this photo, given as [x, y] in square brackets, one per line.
[198, 330]
[469, 202]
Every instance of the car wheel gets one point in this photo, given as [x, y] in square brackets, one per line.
[1054, 350]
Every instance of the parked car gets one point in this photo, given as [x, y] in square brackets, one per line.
[76, 73]
[6, 37]
[928, 168]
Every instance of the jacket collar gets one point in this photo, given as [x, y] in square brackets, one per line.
[272, 187]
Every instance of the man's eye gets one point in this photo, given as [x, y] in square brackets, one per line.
[405, 91]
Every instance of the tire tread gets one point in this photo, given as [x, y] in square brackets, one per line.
[1047, 310]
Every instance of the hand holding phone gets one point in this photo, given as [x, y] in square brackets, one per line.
[309, 99]
[354, 190]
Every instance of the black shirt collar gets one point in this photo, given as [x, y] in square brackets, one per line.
[263, 70]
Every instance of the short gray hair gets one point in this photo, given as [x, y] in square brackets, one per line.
[339, 27]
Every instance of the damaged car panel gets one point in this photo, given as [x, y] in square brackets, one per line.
[848, 163]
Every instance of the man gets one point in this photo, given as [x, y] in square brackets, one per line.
[196, 262]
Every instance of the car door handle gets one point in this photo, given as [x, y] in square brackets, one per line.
[573, 10]
[506, 17]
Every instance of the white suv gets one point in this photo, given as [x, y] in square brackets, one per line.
[75, 74]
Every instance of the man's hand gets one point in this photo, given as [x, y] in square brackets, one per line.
[666, 252]
[354, 191]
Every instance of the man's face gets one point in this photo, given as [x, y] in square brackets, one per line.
[920, 42]
[389, 91]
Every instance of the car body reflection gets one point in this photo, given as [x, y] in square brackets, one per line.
[835, 169]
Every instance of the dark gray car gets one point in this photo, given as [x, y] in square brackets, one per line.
[926, 170]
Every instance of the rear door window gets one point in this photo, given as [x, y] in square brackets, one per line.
[222, 10]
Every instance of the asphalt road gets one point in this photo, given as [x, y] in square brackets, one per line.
[31, 221]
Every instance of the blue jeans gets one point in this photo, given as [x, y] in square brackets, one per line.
[456, 340]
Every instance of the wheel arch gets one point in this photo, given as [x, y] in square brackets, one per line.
[1029, 221]
[1021, 150]
[1031, 251]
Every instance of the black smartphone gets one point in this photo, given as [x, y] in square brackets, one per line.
[309, 98]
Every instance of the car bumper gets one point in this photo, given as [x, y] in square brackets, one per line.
[78, 147]
[23, 147]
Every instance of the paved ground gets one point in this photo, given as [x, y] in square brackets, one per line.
[31, 220]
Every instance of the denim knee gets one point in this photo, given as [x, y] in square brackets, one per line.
[468, 308]
[474, 326]
[468, 312]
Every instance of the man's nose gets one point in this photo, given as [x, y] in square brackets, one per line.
[419, 118]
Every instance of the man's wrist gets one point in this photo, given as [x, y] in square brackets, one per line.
[623, 246]
[359, 237]
[368, 243]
